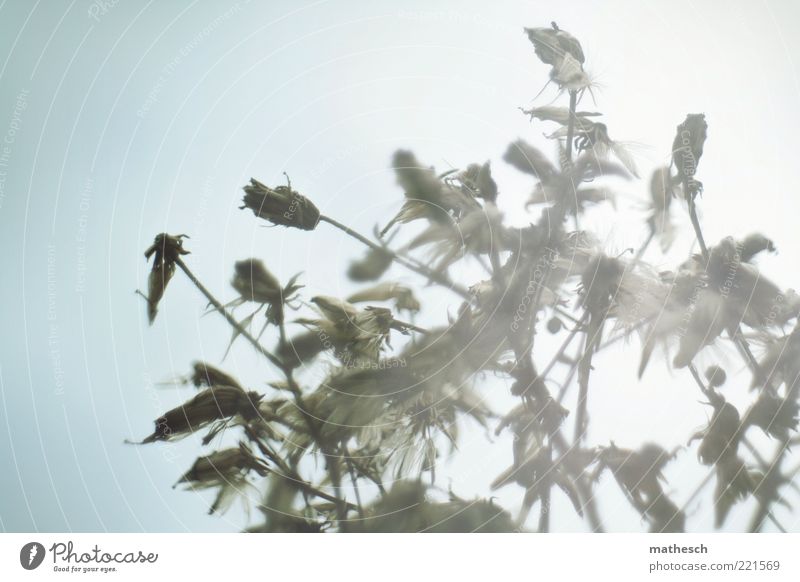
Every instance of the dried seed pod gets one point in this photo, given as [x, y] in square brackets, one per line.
[280, 205]
[687, 149]
[553, 44]
[255, 283]
[165, 250]
[563, 53]
[720, 440]
[209, 405]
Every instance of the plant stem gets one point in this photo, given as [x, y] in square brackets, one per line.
[544, 512]
[696, 224]
[644, 246]
[573, 103]
[584, 371]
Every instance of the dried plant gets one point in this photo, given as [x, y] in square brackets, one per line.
[359, 451]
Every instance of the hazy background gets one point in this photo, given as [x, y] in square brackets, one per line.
[151, 116]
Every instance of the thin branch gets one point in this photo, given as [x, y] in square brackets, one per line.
[231, 320]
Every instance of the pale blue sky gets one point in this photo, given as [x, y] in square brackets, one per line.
[152, 116]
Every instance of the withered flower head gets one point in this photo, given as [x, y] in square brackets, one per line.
[553, 44]
[427, 196]
[280, 205]
[636, 470]
[477, 232]
[639, 474]
[403, 296]
[356, 333]
[776, 416]
[563, 52]
[255, 283]
[204, 374]
[720, 440]
[600, 282]
[227, 470]
[371, 267]
[209, 405]
[587, 135]
[165, 250]
[477, 180]
[353, 334]
[558, 185]
[223, 466]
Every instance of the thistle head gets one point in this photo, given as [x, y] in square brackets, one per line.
[280, 205]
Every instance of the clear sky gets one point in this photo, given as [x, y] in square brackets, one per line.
[120, 123]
